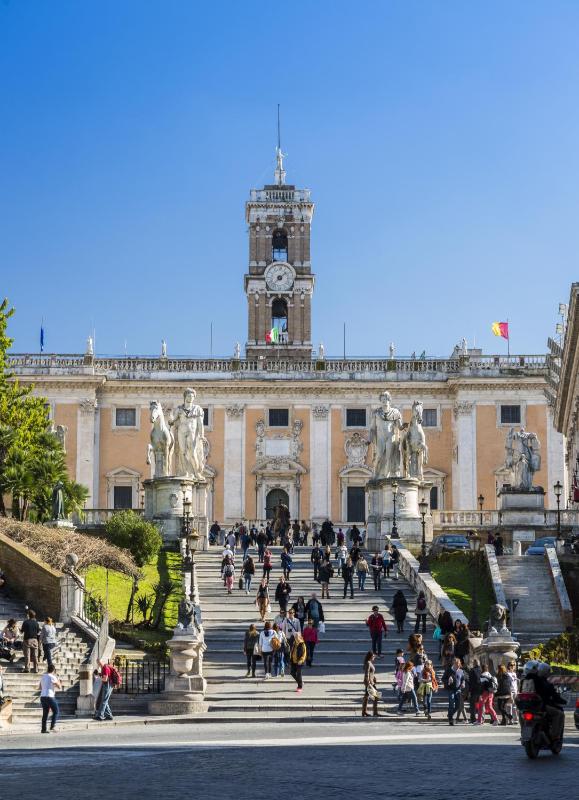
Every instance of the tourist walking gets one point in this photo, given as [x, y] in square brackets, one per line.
[473, 676]
[261, 544]
[282, 593]
[316, 559]
[245, 540]
[386, 560]
[48, 639]
[400, 609]
[251, 649]
[267, 563]
[278, 645]
[489, 686]
[420, 612]
[298, 655]
[229, 575]
[394, 561]
[348, 577]
[370, 683]
[503, 694]
[341, 556]
[448, 650]
[427, 685]
[453, 680]
[362, 570]
[262, 599]
[30, 630]
[265, 649]
[407, 691]
[291, 626]
[315, 611]
[299, 609]
[376, 564]
[512, 673]
[248, 573]
[106, 672]
[377, 627]
[310, 637]
[304, 533]
[49, 683]
[286, 562]
[324, 575]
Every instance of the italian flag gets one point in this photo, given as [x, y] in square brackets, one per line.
[272, 336]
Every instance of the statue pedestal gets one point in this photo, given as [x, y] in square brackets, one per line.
[497, 648]
[381, 511]
[185, 687]
[524, 510]
[164, 506]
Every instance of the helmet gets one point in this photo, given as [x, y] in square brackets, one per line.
[530, 666]
[543, 669]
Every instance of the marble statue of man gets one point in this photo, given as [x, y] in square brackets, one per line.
[385, 436]
[187, 425]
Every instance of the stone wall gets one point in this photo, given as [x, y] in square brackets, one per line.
[437, 601]
[33, 581]
[570, 570]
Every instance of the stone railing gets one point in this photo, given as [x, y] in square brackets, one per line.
[437, 600]
[465, 519]
[559, 585]
[495, 575]
[368, 368]
[96, 517]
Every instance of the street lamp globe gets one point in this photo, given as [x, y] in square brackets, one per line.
[395, 488]
[481, 501]
[558, 489]
[423, 507]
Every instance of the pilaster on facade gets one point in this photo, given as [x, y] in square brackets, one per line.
[465, 474]
[85, 447]
[320, 463]
[234, 461]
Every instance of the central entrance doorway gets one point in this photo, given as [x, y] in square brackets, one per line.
[273, 499]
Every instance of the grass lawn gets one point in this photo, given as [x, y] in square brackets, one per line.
[166, 566]
[453, 573]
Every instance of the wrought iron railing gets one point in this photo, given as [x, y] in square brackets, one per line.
[142, 677]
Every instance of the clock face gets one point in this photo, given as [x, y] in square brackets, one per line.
[279, 277]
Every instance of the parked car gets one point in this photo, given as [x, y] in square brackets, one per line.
[449, 542]
[538, 546]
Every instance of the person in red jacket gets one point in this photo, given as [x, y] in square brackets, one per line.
[377, 625]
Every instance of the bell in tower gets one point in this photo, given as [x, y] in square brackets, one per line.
[279, 283]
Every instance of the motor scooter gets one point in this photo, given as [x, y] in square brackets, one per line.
[535, 725]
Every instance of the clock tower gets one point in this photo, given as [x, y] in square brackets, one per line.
[279, 283]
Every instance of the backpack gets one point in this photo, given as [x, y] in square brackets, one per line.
[421, 604]
[492, 684]
[228, 571]
[115, 677]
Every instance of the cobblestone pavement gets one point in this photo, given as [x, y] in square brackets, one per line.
[320, 761]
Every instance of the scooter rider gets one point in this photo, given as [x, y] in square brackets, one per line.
[536, 673]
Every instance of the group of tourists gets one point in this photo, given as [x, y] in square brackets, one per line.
[29, 637]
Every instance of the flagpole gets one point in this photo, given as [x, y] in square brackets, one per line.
[344, 341]
[211, 341]
[508, 339]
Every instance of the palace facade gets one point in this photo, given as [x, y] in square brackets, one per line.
[284, 422]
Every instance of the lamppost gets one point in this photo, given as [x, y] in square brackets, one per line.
[558, 489]
[423, 508]
[474, 542]
[185, 534]
[481, 501]
[394, 534]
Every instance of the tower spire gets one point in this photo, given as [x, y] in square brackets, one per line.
[279, 170]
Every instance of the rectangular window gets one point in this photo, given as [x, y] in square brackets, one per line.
[278, 417]
[355, 418]
[126, 417]
[510, 415]
[430, 418]
[434, 498]
[206, 417]
[123, 497]
[356, 499]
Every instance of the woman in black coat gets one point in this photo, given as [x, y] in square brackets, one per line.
[400, 609]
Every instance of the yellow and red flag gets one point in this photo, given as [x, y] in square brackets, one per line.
[500, 329]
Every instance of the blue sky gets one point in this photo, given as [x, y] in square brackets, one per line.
[439, 140]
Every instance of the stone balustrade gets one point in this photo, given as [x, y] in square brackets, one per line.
[495, 575]
[437, 601]
[559, 584]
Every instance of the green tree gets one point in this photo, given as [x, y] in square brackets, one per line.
[31, 458]
[141, 538]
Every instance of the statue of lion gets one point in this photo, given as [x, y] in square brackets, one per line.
[497, 619]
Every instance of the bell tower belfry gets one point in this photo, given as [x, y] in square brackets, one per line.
[279, 283]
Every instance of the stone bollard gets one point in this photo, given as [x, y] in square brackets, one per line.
[85, 700]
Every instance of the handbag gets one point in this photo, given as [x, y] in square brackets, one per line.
[322, 627]
[373, 692]
[240, 583]
[268, 608]
[437, 633]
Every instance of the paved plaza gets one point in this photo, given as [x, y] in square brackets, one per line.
[305, 761]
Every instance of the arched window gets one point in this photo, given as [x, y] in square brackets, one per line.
[279, 245]
[279, 315]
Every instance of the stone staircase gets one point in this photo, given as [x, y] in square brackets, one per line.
[23, 687]
[538, 614]
[334, 685]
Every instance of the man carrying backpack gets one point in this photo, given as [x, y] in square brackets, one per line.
[110, 678]
[453, 681]
[489, 685]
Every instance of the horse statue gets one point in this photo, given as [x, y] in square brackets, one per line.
[161, 446]
[414, 448]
